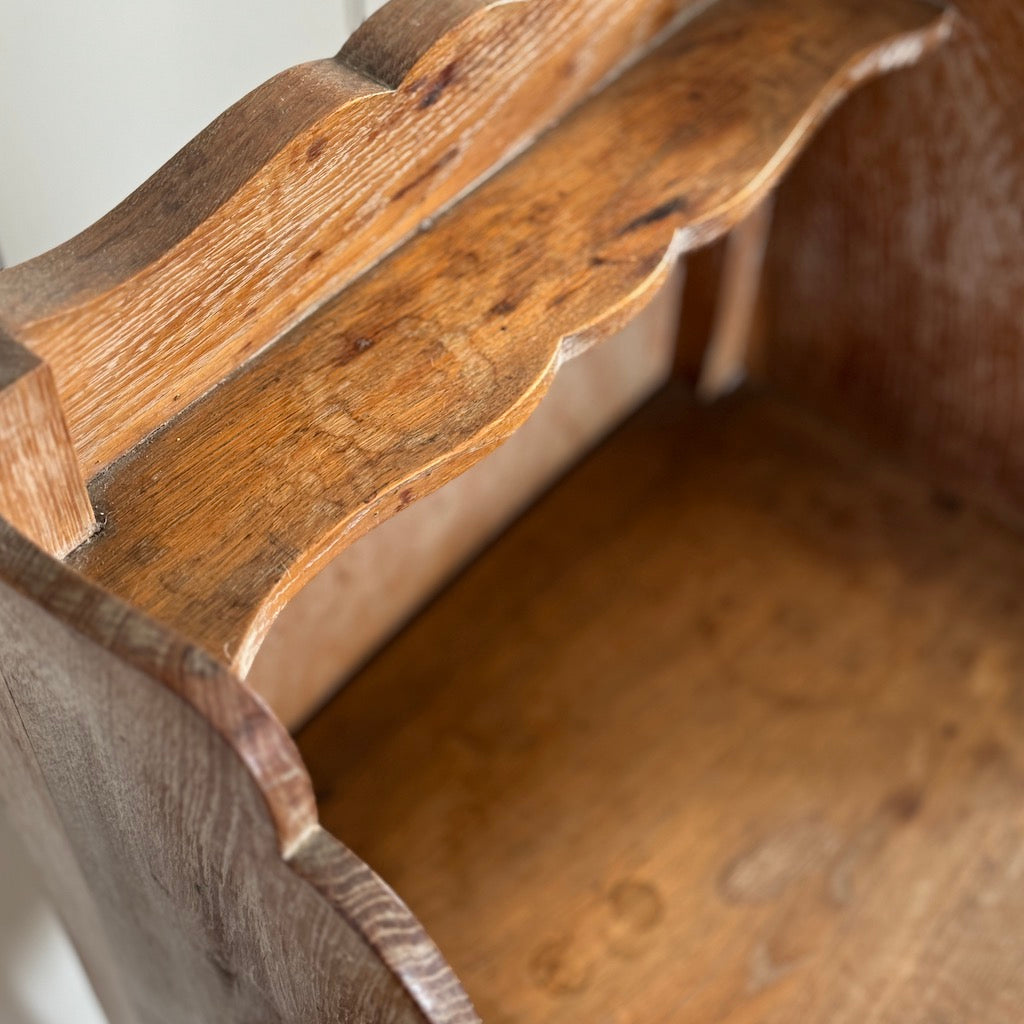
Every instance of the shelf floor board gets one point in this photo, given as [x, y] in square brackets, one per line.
[726, 729]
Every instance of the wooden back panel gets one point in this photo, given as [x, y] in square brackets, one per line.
[294, 191]
[896, 270]
[434, 358]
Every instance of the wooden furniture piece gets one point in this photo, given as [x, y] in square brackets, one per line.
[725, 729]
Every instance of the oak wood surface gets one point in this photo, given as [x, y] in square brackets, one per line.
[42, 491]
[434, 358]
[727, 729]
[177, 828]
[897, 265]
[290, 194]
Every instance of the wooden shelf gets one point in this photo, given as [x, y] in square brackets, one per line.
[728, 728]
[431, 360]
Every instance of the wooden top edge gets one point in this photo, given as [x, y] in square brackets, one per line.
[174, 200]
[387, 46]
[181, 194]
[430, 361]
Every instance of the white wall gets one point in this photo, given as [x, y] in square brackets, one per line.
[94, 96]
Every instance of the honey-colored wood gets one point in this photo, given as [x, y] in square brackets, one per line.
[896, 270]
[296, 190]
[370, 590]
[42, 492]
[726, 730]
[436, 357]
[172, 814]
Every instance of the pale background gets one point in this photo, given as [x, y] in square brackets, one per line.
[94, 96]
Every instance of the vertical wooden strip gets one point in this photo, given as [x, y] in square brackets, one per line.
[42, 493]
[725, 363]
[700, 289]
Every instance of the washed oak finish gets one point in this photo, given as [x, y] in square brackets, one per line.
[170, 810]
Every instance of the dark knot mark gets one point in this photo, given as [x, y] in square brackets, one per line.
[504, 307]
[436, 166]
[443, 80]
[316, 147]
[665, 210]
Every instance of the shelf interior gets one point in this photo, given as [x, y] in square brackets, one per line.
[727, 728]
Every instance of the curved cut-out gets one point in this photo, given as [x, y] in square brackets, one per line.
[433, 359]
[296, 190]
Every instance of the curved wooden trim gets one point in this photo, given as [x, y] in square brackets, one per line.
[432, 360]
[296, 190]
[265, 755]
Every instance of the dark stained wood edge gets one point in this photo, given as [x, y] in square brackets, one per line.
[267, 754]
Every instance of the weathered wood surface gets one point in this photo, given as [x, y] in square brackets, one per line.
[298, 188]
[434, 358]
[175, 824]
[897, 264]
[728, 730]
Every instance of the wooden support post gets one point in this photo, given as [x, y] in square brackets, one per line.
[725, 361]
[41, 489]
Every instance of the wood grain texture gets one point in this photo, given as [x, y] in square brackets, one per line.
[370, 590]
[175, 825]
[897, 264]
[42, 492]
[726, 731]
[297, 189]
[436, 357]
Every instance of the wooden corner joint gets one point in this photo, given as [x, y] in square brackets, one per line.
[42, 493]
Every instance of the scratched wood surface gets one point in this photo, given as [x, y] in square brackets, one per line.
[302, 185]
[434, 358]
[897, 264]
[727, 729]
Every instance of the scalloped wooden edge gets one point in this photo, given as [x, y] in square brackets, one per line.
[223, 704]
[295, 191]
[230, 607]
[365, 904]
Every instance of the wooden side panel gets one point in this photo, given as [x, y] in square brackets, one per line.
[897, 264]
[175, 823]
